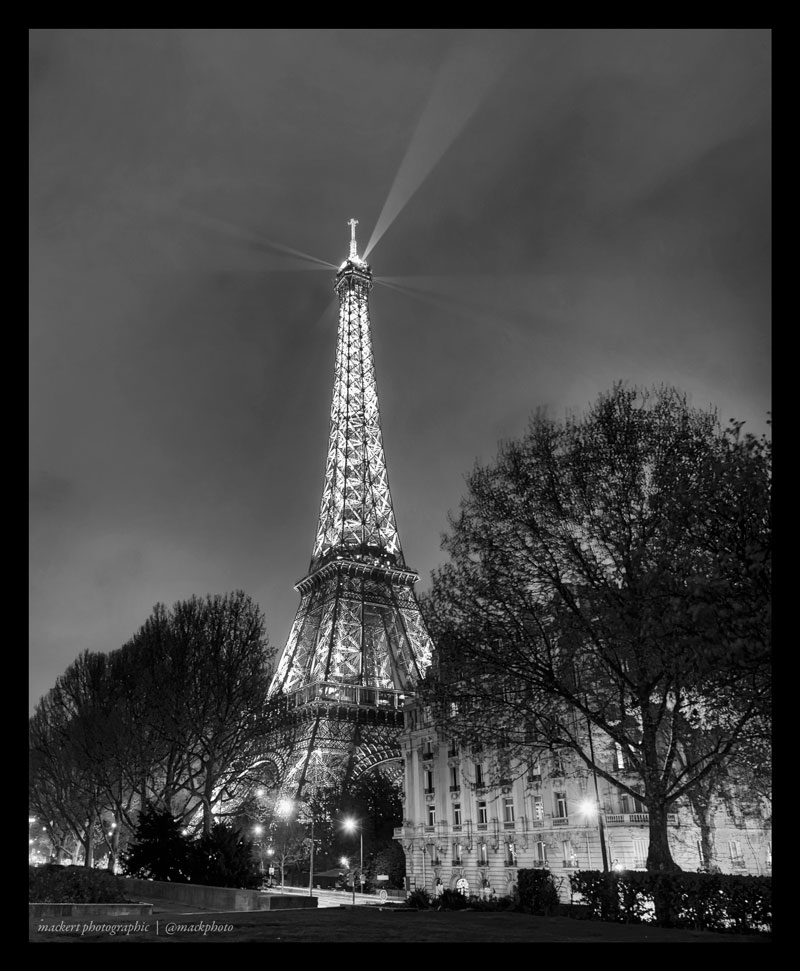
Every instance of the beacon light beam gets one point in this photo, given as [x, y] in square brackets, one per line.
[469, 73]
[256, 239]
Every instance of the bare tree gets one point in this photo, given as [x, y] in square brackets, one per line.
[608, 593]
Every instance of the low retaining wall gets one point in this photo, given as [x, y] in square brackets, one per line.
[215, 898]
[90, 910]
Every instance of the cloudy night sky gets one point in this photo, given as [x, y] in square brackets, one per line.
[545, 212]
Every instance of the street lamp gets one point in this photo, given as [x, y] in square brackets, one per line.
[600, 825]
[351, 825]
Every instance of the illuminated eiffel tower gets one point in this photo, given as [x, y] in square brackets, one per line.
[358, 644]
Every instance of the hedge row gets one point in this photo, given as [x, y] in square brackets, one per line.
[54, 884]
[702, 901]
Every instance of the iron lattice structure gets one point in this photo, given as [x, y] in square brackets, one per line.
[358, 643]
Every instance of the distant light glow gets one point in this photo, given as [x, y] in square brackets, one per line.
[345, 862]
[587, 807]
[285, 807]
[258, 830]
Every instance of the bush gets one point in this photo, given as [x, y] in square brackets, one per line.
[493, 904]
[54, 884]
[419, 899]
[223, 858]
[538, 892]
[703, 901]
[159, 850]
[450, 899]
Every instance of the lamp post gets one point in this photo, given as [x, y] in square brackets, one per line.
[350, 825]
[311, 865]
[600, 825]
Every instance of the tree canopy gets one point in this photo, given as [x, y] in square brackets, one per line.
[175, 718]
[608, 592]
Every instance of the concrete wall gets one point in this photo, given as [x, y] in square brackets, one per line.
[215, 898]
[90, 910]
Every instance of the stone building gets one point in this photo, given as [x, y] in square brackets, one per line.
[473, 818]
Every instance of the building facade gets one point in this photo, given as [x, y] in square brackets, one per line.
[474, 818]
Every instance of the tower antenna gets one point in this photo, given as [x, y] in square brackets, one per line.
[352, 223]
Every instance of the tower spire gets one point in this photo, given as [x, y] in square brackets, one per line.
[353, 251]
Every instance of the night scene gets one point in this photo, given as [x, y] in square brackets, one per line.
[400, 485]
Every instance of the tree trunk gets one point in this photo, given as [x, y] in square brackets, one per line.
[659, 855]
[88, 847]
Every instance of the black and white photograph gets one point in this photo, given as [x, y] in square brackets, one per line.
[400, 469]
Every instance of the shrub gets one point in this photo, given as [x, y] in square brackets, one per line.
[538, 891]
[704, 901]
[223, 858]
[54, 884]
[450, 899]
[419, 899]
[159, 851]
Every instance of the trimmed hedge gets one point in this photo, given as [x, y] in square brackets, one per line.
[53, 884]
[724, 902]
[538, 892]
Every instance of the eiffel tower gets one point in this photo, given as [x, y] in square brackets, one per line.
[358, 644]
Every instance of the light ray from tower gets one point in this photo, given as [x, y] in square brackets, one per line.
[471, 70]
[244, 235]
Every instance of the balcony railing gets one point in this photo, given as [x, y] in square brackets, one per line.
[561, 820]
[346, 694]
[455, 788]
[636, 819]
[508, 824]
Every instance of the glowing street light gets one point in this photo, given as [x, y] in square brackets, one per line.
[351, 825]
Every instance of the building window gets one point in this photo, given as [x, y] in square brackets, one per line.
[541, 853]
[428, 774]
[570, 857]
[700, 854]
[630, 804]
[538, 808]
[536, 772]
[483, 854]
[452, 749]
[511, 854]
[621, 758]
[558, 764]
[454, 783]
[508, 810]
[457, 814]
[427, 749]
[769, 855]
[431, 815]
[457, 854]
[561, 805]
[640, 847]
[483, 815]
[479, 780]
[735, 848]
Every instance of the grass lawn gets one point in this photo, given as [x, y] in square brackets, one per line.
[364, 925]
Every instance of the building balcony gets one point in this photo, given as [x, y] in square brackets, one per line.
[455, 788]
[561, 820]
[429, 790]
[636, 819]
[427, 756]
